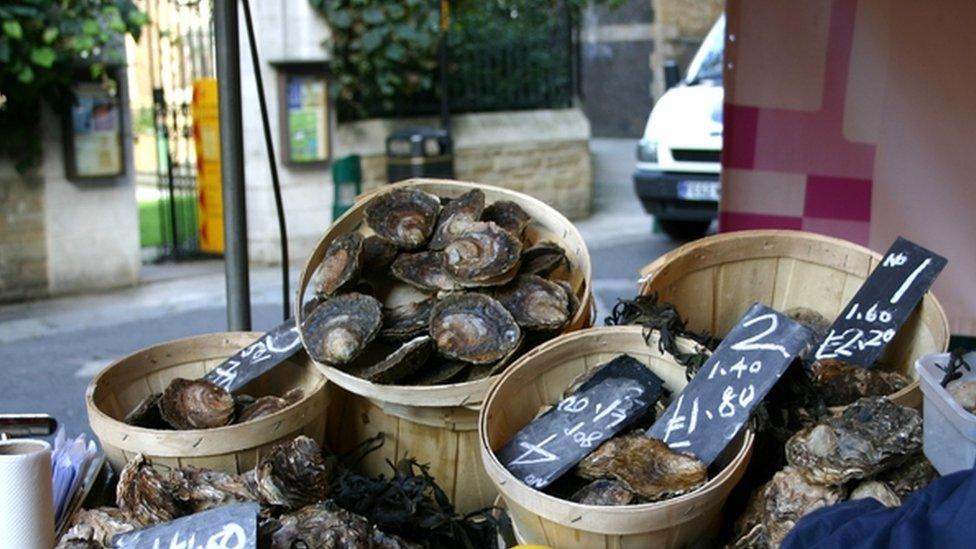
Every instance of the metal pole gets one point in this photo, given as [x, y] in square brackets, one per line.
[232, 165]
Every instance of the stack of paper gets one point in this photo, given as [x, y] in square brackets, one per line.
[74, 465]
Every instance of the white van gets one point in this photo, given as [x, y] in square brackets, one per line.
[678, 158]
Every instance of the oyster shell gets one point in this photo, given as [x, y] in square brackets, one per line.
[868, 437]
[264, 406]
[507, 215]
[913, 475]
[408, 320]
[473, 328]
[536, 303]
[877, 490]
[404, 217]
[340, 328]
[95, 528]
[340, 266]
[146, 495]
[293, 474]
[424, 270]
[485, 255]
[327, 526]
[457, 217]
[964, 392]
[437, 371]
[377, 254]
[604, 492]
[840, 383]
[146, 414]
[196, 404]
[646, 466]
[808, 318]
[543, 258]
[401, 363]
[574, 303]
[293, 396]
[790, 496]
[203, 489]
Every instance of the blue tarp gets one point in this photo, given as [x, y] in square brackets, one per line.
[942, 515]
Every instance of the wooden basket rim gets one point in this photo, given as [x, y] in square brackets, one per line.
[540, 503]
[652, 269]
[452, 394]
[236, 437]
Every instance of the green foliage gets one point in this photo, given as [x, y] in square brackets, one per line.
[385, 52]
[381, 49]
[42, 45]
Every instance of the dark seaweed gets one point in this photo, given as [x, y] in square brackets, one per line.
[953, 368]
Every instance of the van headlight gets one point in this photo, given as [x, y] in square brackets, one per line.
[647, 150]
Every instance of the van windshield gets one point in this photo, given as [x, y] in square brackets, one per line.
[707, 64]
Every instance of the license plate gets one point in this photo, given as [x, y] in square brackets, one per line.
[699, 190]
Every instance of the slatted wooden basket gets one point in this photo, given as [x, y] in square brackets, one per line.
[437, 424]
[539, 378]
[121, 386]
[714, 280]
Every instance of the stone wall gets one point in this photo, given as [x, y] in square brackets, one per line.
[23, 255]
[542, 153]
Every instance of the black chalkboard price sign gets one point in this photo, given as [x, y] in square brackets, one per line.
[882, 304]
[607, 402]
[268, 351]
[227, 527]
[714, 406]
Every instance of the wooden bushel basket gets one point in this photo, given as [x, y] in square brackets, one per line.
[539, 378]
[121, 386]
[714, 280]
[436, 424]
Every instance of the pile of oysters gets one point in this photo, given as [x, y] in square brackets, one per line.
[436, 290]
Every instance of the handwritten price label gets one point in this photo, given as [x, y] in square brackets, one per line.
[614, 396]
[871, 320]
[227, 527]
[270, 350]
[712, 409]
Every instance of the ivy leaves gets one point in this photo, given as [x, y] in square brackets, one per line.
[382, 49]
[42, 43]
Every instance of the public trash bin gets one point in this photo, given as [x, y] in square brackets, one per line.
[347, 181]
[419, 152]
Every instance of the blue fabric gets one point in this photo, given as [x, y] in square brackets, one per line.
[942, 515]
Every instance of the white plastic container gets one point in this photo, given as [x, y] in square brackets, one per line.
[949, 431]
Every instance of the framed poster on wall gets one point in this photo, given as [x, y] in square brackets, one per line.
[93, 133]
[304, 105]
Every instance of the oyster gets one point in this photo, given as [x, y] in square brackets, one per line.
[574, 303]
[146, 495]
[536, 303]
[264, 406]
[341, 327]
[293, 474]
[95, 528]
[293, 396]
[146, 414]
[789, 497]
[543, 258]
[473, 328]
[868, 437]
[964, 392]
[424, 270]
[404, 217]
[377, 254]
[509, 216]
[913, 475]
[877, 490]
[340, 266]
[840, 383]
[603, 492]
[203, 489]
[401, 363]
[437, 372]
[748, 530]
[408, 320]
[646, 466]
[196, 404]
[327, 526]
[486, 255]
[457, 217]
